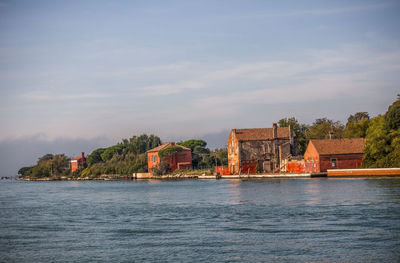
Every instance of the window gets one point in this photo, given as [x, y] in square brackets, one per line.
[333, 162]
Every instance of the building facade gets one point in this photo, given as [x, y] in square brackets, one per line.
[77, 162]
[322, 155]
[260, 149]
[179, 160]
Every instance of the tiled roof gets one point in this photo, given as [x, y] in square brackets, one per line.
[165, 145]
[78, 158]
[260, 134]
[339, 146]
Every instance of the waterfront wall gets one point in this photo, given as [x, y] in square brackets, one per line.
[365, 172]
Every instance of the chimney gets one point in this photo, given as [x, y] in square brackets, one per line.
[274, 130]
[290, 134]
[83, 155]
[331, 133]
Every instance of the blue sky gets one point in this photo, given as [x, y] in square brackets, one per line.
[107, 70]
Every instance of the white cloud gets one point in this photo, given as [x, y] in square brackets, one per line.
[312, 12]
[168, 89]
[47, 96]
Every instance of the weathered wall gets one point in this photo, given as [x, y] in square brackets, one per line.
[261, 154]
[295, 166]
[311, 159]
[222, 170]
[233, 153]
[152, 160]
[183, 157]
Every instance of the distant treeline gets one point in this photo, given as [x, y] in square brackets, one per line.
[382, 147]
[382, 134]
[125, 158]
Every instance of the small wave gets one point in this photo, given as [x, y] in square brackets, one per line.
[145, 231]
[247, 229]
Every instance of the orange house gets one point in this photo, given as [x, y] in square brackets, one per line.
[179, 160]
[77, 162]
[322, 155]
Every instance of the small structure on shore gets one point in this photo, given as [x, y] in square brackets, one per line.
[260, 150]
[77, 162]
[181, 159]
[322, 155]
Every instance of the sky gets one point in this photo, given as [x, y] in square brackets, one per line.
[78, 75]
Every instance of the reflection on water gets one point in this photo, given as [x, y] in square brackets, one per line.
[273, 220]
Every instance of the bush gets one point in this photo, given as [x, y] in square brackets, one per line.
[161, 169]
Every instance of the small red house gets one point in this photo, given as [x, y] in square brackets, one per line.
[77, 162]
[322, 155]
[179, 160]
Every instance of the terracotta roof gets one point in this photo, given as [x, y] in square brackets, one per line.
[339, 146]
[259, 134]
[165, 145]
[78, 158]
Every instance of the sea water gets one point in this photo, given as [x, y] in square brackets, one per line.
[268, 220]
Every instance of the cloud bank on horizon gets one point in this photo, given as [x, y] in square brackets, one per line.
[181, 69]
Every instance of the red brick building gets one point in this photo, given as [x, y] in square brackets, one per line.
[261, 149]
[322, 155]
[179, 160]
[77, 162]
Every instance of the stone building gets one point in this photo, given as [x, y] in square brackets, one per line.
[261, 149]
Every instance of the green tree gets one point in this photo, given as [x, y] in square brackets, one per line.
[110, 152]
[59, 165]
[382, 148]
[140, 144]
[46, 157]
[192, 144]
[377, 146]
[357, 125]
[24, 170]
[95, 156]
[200, 154]
[299, 129]
[169, 151]
[321, 127]
[392, 116]
[222, 156]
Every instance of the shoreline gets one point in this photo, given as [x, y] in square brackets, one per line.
[223, 177]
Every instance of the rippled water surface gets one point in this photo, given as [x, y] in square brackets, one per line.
[274, 220]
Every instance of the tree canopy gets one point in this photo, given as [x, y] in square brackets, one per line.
[299, 129]
[48, 165]
[382, 147]
[321, 128]
[169, 151]
[357, 125]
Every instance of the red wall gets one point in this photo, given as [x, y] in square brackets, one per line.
[311, 159]
[172, 160]
[344, 161]
[74, 166]
[295, 167]
[222, 170]
[76, 163]
[150, 163]
[248, 168]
